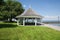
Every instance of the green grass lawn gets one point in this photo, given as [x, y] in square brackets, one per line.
[10, 31]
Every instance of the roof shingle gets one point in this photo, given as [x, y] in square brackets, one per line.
[29, 13]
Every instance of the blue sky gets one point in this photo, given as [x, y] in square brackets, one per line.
[43, 7]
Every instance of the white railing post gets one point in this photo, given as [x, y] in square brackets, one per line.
[18, 22]
[35, 22]
[23, 21]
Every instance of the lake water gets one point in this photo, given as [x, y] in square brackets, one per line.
[55, 24]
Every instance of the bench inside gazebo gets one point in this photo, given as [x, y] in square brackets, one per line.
[29, 17]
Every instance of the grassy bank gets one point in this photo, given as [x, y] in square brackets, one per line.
[10, 31]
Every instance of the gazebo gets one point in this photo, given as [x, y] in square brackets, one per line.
[29, 16]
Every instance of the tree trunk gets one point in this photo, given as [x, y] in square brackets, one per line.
[10, 20]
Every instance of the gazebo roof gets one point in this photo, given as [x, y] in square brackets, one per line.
[30, 14]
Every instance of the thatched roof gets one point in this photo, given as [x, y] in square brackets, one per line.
[29, 13]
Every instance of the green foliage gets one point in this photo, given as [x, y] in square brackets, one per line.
[2, 2]
[10, 9]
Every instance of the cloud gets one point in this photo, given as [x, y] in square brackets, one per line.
[51, 17]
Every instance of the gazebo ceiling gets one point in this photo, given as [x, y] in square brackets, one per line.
[29, 13]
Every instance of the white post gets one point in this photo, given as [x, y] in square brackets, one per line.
[40, 20]
[23, 21]
[18, 22]
[35, 21]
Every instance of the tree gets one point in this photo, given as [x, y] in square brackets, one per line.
[2, 2]
[11, 9]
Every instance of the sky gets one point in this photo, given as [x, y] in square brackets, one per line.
[46, 8]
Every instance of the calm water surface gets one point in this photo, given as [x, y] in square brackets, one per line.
[55, 24]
